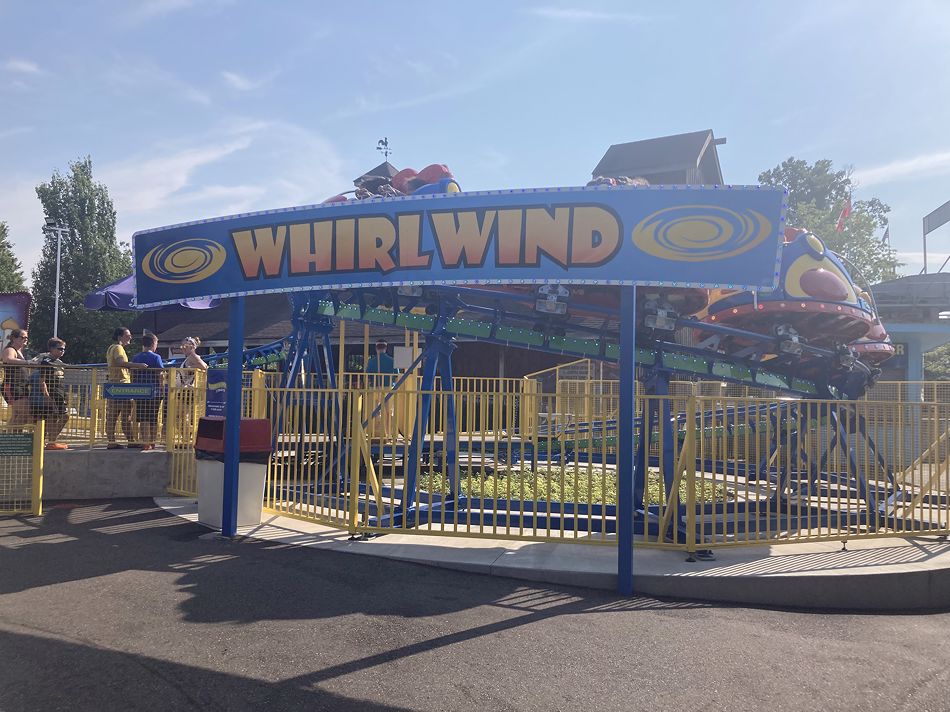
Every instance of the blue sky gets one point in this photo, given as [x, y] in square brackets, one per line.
[197, 108]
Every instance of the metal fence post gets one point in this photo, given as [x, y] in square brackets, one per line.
[689, 465]
[37, 479]
[258, 395]
[94, 402]
[354, 455]
[172, 416]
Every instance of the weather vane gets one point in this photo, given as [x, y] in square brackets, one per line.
[383, 147]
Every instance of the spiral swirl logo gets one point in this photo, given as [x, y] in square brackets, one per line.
[185, 261]
[699, 233]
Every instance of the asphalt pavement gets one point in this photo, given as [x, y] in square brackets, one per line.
[118, 606]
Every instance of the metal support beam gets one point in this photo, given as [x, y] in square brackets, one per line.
[232, 425]
[625, 440]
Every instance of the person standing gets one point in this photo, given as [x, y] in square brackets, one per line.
[189, 346]
[182, 402]
[380, 373]
[146, 411]
[119, 368]
[48, 392]
[16, 378]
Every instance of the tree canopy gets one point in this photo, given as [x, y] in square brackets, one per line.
[816, 196]
[91, 257]
[11, 271]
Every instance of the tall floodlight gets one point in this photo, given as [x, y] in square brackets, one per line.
[54, 227]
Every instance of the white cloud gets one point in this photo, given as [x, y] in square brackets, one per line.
[243, 83]
[14, 131]
[23, 213]
[926, 165]
[144, 184]
[363, 105]
[913, 261]
[154, 9]
[454, 84]
[583, 15]
[22, 66]
[274, 164]
[131, 75]
[242, 165]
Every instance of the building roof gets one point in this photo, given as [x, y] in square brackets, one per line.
[267, 318]
[915, 290]
[660, 157]
[384, 170]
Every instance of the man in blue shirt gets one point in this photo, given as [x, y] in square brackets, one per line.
[146, 411]
[380, 376]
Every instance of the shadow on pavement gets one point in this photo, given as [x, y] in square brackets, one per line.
[68, 675]
[147, 582]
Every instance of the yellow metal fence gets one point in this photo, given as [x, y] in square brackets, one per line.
[723, 467]
[720, 471]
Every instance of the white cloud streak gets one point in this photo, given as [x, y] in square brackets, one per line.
[23, 213]
[15, 131]
[129, 75]
[22, 66]
[243, 83]
[923, 166]
[150, 10]
[142, 185]
[459, 85]
[275, 164]
[583, 15]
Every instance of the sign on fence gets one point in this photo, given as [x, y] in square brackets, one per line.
[130, 391]
[217, 397]
[16, 444]
[21, 469]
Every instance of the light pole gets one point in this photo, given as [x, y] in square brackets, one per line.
[54, 227]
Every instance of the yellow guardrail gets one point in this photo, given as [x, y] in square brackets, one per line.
[524, 461]
[720, 471]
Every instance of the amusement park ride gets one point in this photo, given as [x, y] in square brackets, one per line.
[817, 335]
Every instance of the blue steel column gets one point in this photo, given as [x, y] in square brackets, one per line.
[625, 440]
[232, 413]
[429, 368]
[446, 347]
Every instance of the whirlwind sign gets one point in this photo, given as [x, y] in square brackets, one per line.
[716, 237]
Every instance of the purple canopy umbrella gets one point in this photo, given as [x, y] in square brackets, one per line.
[118, 297]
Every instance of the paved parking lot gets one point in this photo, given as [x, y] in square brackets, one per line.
[117, 605]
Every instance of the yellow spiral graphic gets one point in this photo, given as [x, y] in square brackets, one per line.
[185, 261]
[699, 233]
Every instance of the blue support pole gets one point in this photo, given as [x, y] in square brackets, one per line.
[232, 420]
[451, 430]
[625, 440]
[429, 368]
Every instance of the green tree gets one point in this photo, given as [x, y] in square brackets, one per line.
[11, 271]
[816, 196]
[937, 364]
[91, 257]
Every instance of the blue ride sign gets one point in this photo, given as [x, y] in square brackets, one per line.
[722, 236]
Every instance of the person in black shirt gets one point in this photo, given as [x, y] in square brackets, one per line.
[16, 378]
[48, 392]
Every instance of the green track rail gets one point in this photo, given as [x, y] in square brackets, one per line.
[684, 363]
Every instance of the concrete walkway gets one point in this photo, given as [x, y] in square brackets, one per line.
[872, 575]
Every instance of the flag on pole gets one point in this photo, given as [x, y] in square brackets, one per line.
[886, 239]
[845, 212]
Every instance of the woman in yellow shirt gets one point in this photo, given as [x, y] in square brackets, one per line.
[118, 364]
